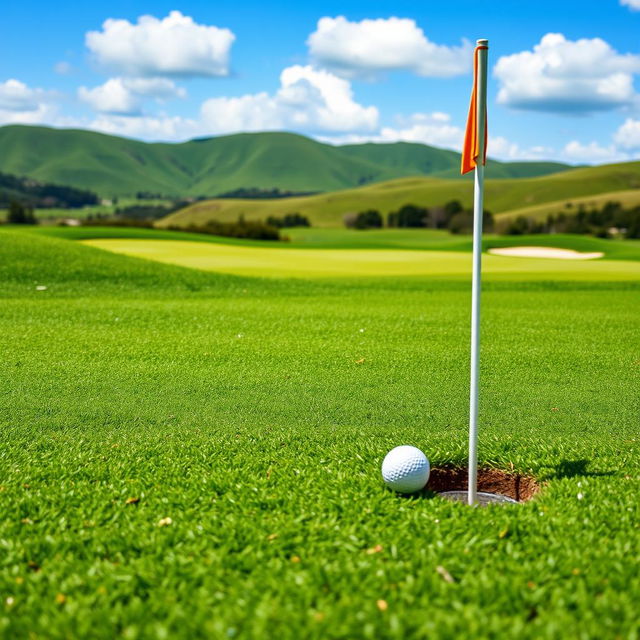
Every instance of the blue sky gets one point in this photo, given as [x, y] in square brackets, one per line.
[563, 84]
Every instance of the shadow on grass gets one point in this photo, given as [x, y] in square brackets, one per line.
[574, 469]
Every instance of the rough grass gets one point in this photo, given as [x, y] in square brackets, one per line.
[255, 413]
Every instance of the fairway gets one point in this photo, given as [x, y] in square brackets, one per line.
[192, 454]
[322, 263]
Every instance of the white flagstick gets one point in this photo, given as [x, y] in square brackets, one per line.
[481, 102]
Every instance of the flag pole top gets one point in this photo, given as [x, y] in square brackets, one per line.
[482, 42]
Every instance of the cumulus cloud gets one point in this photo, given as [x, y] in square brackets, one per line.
[157, 127]
[172, 46]
[634, 5]
[427, 128]
[436, 129]
[21, 104]
[368, 47]
[124, 96]
[592, 153]
[17, 96]
[628, 134]
[308, 99]
[111, 97]
[562, 75]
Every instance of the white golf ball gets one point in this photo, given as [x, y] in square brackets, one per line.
[405, 469]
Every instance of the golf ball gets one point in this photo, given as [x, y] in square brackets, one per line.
[405, 469]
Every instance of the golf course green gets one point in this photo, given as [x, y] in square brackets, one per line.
[285, 262]
[195, 452]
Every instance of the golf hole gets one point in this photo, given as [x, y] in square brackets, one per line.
[494, 485]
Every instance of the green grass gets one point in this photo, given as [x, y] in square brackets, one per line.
[327, 238]
[112, 166]
[289, 262]
[237, 408]
[503, 196]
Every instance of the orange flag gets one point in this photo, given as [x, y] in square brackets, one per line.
[471, 148]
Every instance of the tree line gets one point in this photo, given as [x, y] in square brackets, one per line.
[610, 220]
[452, 216]
[44, 195]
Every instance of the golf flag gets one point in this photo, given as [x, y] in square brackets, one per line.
[474, 156]
[471, 148]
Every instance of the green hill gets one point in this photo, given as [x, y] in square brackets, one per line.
[413, 159]
[501, 196]
[114, 166]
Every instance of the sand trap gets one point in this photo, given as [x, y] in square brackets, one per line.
[545, 252]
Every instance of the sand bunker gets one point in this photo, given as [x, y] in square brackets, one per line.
[545, 252]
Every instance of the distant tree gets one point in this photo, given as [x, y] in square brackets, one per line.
[20, 214]
[370, 219]
[452, 207]
[462, 222]
[289, 220]
[409, 215]
[632, 223]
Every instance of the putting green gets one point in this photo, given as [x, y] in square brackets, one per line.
[318, 263]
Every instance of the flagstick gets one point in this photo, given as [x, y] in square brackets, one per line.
[478, 210]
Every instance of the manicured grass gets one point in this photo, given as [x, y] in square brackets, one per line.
[322, 263]
[254, 413]
[314, 238]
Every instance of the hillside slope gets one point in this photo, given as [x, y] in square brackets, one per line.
[114, 166]
[501, 196]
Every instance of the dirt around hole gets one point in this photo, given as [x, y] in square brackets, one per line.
[514, 485]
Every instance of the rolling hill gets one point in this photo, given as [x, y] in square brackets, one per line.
[502, 196]
[114, 166]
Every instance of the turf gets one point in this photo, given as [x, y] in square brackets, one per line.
[254, 413]
[291, 262]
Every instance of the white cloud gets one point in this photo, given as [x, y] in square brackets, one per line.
[369, 47]
[427, 128]
[172, 46]
[562, 75]
[628, 134]
[634, 5]
[592, 153]
[123, 96]
[111, 97]
[159, 127]
[308, 99]
[42, 114]
[435, 129]
[17, 96]
[21, 104]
